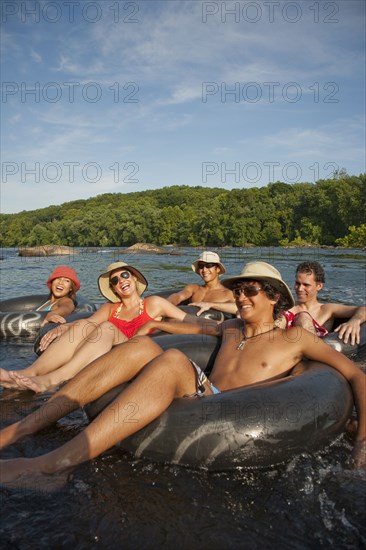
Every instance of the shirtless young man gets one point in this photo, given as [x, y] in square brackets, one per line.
[316, 317]
[159, 377]
[209, 268]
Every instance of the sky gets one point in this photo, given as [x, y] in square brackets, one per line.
[122, 96]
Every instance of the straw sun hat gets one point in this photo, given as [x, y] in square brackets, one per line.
[209, 258]
[261, 271]
[104, 286]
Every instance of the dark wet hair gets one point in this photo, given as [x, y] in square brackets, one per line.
[272, 293]
[72, 293]
[312, 267]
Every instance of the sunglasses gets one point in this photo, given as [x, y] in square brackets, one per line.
[123, 275]
[201, 265]
[249, 290]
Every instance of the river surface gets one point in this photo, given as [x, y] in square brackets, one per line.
[314, 501]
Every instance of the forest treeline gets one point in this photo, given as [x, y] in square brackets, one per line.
[328, 212]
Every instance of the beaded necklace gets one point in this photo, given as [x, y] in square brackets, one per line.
[118, 310]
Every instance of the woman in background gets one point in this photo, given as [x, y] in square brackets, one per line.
[63, 285]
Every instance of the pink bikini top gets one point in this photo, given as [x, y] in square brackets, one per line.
[290, 319]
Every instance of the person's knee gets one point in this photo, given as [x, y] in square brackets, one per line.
[175, 356]
[138, 348]
[177, 362]
[177, 372]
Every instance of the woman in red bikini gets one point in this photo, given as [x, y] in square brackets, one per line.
[82, 341]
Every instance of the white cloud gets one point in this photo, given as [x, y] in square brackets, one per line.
[35, 56]
[168, 54]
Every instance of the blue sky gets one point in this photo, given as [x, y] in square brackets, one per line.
[112, 96]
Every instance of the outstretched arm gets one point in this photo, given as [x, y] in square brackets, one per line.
[206, 326]
[320, 351]
[160, 308]
[226, 307]
[181, 296]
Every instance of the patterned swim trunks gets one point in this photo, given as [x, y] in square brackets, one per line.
[201, 381]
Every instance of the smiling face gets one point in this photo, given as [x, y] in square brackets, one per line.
[252, 301]
[61, 286]
[208, 271]
[122, 282]
[306, 287]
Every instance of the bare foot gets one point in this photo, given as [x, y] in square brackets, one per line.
[27, 382]
[7, 379]
[25, 473]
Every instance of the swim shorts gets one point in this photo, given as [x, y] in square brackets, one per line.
[201, 381]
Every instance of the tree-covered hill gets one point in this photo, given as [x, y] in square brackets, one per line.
[329, 212]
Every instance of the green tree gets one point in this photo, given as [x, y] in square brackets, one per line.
[356, 237]
[328, 212]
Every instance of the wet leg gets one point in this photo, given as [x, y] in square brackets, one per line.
[166, 377]
[61, 351]
[99, 342]
[120, 365]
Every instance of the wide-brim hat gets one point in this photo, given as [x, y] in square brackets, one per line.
[261, 271]
[64, 271]
[209, 258]
[104, 286]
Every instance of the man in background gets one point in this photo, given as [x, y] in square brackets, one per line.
[319, 318]
[209, 267]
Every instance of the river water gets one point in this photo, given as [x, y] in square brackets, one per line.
[314, 501]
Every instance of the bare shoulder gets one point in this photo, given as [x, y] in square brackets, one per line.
[66, 300]
[157, 304]
[154, 300]
[154, 304]
[295, 337]
[299, 340]
[64, 306]
[104, 311]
